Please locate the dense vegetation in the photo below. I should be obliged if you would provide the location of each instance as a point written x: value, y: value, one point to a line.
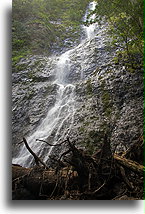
x: 42, y: 26
x: 125, y: 19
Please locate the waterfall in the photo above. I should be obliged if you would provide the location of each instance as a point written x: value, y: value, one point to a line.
x: 56, y: 118
x: 90, y: 30
x: 58, y: 122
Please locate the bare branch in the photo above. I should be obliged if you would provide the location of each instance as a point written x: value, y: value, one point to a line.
x: 51, y: 144
x: 37, y: 159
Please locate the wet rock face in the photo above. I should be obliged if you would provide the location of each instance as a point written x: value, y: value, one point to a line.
x: 34, y: 90
x: 108, y: 98
x: 33, y: 94
x: 111, y: 100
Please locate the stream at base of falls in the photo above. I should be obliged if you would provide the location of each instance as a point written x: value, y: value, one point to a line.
x: 69, y: 68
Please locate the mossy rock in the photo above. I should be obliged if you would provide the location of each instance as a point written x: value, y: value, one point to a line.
x: 106, y: 99
x: 81, y: 129
x: 19, y: 67
x: 89, y: 87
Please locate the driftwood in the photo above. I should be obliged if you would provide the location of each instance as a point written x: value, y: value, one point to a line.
x: 101, y: 176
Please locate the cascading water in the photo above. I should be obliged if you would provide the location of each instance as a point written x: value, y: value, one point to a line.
x: 90, y: 30
x: 57, y: 116
x: 59, y: 119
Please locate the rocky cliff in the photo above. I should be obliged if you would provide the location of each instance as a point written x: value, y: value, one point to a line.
x: 107, y: 97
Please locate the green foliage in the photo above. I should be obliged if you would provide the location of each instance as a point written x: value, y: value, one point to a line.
x: 17, y: 55
x: 43, y: 25
x: 125, y: 19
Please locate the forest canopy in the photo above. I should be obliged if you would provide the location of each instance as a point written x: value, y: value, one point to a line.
x: 46, y: 26
x: 40, y: 26
x: 125, y: 19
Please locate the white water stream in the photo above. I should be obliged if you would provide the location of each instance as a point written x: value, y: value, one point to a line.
x: 60, y: 117
x: 90, y: 30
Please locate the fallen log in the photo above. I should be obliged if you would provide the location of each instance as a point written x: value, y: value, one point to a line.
x: 132, y: 165
x: 89, y: 177
x: 42, y: 182
x: 19, y: 171
x: 46, y: 182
